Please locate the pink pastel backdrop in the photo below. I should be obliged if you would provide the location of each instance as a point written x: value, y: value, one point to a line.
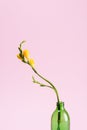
x: 56, y: 35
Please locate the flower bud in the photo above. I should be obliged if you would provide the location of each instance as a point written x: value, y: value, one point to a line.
x: 26, y: 54
x: 31, y: 62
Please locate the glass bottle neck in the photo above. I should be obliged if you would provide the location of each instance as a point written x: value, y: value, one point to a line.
x: 60, y: 105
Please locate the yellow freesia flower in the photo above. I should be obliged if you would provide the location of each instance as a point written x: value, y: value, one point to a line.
x: 26, y: 53
x: 31, y: 62
x: 24, y: 56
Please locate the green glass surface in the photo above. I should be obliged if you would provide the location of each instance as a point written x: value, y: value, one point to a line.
x: 60, y: 119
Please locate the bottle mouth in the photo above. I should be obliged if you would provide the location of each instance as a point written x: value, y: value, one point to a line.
x: 60, y: 105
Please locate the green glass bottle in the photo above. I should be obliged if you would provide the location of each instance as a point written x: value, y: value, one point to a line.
x: 60, y: 119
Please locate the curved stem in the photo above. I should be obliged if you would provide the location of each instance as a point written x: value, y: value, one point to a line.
x: 47, y: 82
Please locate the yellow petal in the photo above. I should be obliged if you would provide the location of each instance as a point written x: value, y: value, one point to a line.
x: 18, y: 56
x: 31, y: 62
x: 26, y: 54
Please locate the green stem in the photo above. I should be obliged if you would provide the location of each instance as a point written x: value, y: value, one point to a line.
x: 54, y: 88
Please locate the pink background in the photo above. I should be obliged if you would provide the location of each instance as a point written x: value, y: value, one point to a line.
x: 56, y: 35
